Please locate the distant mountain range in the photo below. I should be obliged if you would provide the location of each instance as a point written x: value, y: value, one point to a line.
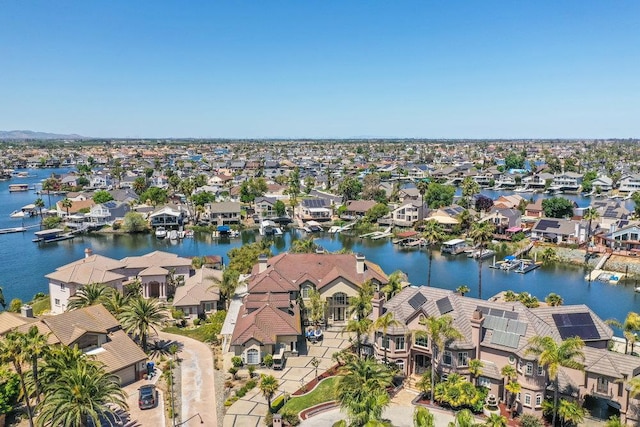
x: 29, y: 134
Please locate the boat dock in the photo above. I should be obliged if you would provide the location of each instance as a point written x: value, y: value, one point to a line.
x: 510, y: 263
x: 377, y: 234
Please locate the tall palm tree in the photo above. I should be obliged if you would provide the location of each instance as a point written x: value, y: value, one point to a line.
x: 469, y: 188
x: 629, y: 327
x: 91, y: 294
x: 116, y: 302
x: 552, y: 356
x: 39, y: 203
x: 394, y: 286
x: 512, y: 387
x: 590, y: 215
x: 475, y: 369
x: 423, y: 418
x: 66, y: 203
x: 142, y: 315
x: 422, y: 187
x: 571, y: 413
x: 37, y: 346
x: 433, y: 234
x: 481, y: 233
x: 359, y: 308
x: 496, y: 420
x: 230, y: 278
x: 359, y: 327
x: 13, y: 350
x: 361, y: 390
x: 82, y: 395
x: 385, y: 322
x: 268, y: 386
x: 439, y: 331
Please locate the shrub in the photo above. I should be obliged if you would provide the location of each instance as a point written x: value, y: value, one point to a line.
x: 268, y: 360
x: 196, y: 322
x: 277, y: 403
x: 237, y: 361
x: 528, y: 420
x: 242, y: 392
x: 250, y: 384
x: 15, y: 305
x: 233, y: 371
x: 251, y: 369
x: 230, y: 401
x: 268, y: 419
x: 290, y: 417
x: 177, y: 314
x: 39, y: 295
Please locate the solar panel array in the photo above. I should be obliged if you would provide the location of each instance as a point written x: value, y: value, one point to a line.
x: 506, y: 339
x: 314, y: 203
x: 110, y: 204
x: 576, y: 325
x: 543, y: 224
x: 497, y: 312
x: 444, y: 305
x: 417, y: 300
x: 505, y: 327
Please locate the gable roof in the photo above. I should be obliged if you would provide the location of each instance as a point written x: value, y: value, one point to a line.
x: 265, y: 324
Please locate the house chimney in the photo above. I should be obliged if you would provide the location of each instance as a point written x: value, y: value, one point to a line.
x: 477, y: 319
x: 88, y: 252
x: 377, y: 303
x: 359, y: 263
x: 26, y: 311
x: 262, y: 263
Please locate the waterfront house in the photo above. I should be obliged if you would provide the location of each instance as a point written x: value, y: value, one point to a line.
x: 169, y: 216
x: 224, y: 213
x: 77, y: 206
x: 316, y: 209
x: 105, y: 213
x: 408, y: 214
x: 357, y: 208
x: 604, y: 183
x: 534, y: 210
x: 567, y: 181
x: 265, y: 207
x: 557, y: 230
x: 154, y: 270
x: 497, y: 333
x: 503, y: 219
x: 630, y: 183
x: 508, y: 202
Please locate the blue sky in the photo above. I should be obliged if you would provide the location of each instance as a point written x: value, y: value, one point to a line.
x: 254, y: 69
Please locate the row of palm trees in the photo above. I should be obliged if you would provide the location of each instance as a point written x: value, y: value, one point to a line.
x: 61, y: 384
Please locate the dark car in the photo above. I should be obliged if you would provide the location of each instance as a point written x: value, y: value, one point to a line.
x: 147, y: 397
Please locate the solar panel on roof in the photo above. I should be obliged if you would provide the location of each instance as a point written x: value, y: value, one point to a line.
x: 576, y: 325
x: 444, y: 305
x: 543, y: 224
x: 417, y: 300
x: 516, y: 327
x: 496, y: 312
x: 484, y: 310
x: 506, y: 339
x: 511, y: 315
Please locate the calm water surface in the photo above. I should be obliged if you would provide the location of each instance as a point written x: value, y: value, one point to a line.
x: 23, y: 263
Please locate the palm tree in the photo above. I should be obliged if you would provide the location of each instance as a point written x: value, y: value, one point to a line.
x: 549, y: 256
x: 614, y: 421
x: 475, y: 369
x: 422, y: 187
x: 462, y: 289
x: 571, y: 413
x: 359, y: 308
x: 82, y: 395
x: 3, y: 303
x: 49, y: 185
x: 423, y: 418
x: 496, y: 420
x: 230, y: 278
x: 359, y: 328
x: 361, y: 390
x: 39, y: 203
x: 481, y: 233
x: 303, y: 246
x: 140, y: 316
x: 37, y: 346
x: 394, y: 286
x: 66, y: 203
x: 268, y: 386
x: 432, y: 234
x: 464, y: 418
x: 469, y: 188
x: 424, y: 383
x: 510, y: 296
x: 385, y: 322
x: 13, y: 350
x: 552, y: 356
x: 629, y: 328
x: 590, y: 214
x: 91, y: 294
x: 512, y: 386
x: 116, y: 302
x: 553, y: 299
x: 439, y: 331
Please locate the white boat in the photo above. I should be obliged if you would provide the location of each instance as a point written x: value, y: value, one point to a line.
x: 161, y: 232
x: 637, y: 289
x: 173, y: 235
x: 17, y: 214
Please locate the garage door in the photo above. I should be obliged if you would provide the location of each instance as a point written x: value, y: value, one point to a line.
x: 127, y: 375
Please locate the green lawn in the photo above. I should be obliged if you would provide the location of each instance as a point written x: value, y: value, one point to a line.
x: 322, y: 393
x: 41, y: 305
x: 206, y: 332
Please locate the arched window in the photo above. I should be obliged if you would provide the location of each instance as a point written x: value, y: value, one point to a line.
x: 305, y: 290
x: 253, y: 357
x: 340, y: 298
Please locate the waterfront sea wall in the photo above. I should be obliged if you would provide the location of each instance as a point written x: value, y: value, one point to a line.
x: 617, y: 263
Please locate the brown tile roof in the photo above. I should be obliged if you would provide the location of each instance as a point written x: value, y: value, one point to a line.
x: 71, y: 325
x: 285, y: 272
x: 199, y: 288
x: 156, y: 258
x: 266, y: 324
x: 76, y: 206
x: 93, y: 269
x: 119, y: 352
x: 9, y: 321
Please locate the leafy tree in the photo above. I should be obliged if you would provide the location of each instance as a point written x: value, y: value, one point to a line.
x: 91, y: 294
x: 361, y: 390
x: 557, y: 207
x: 142, y: 315
x: 134, y: 223
x: 9, y: 390
x: 439, y: 331
x: 102, y: 196
x: 433, y: 234
x: 15, y: 305
x: 140, y: 185
x: 349, y: 188
x: 280, y: 208
x: 439, y: 195
x: 552, y: 356
x: 13, y: 350
x: 317, y: 307
x: 385, y: 322
x: 303, y: 246
x: 513, y: 160
x: 202, y: 198
x: 423, y: 418
x: 268, y: 386
x: 157, y: 196
x: 252, y: 188
x: 242, y: 259
x: 309, y: 181
x: 481, y: 233
x: 549, y: 256
x: 483, y: 203
x: 376, y: 212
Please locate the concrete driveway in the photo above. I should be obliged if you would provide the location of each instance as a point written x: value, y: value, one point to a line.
x: 137, y: 417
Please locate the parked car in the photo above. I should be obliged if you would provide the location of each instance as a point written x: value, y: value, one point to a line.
x: 147, y: 396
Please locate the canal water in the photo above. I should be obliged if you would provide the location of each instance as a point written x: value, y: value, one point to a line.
x: 23, y: 264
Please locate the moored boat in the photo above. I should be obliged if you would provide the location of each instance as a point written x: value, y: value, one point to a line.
x: 161, y: 232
